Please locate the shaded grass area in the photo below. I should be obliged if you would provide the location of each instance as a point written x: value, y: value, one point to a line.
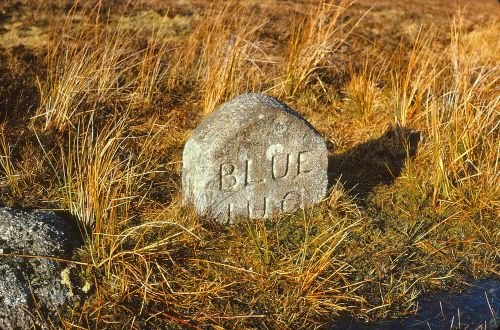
x: 474, y: 307
x: 95, y: 124
x: 374, y: 162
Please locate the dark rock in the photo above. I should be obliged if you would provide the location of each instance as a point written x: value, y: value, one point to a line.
x: 34, y: 286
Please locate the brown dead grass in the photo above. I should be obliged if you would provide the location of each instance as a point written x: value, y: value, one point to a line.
x: 411, y: 114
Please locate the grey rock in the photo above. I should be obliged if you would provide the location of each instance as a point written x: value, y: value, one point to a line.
x: 33, y: 286
x: 254, y: 157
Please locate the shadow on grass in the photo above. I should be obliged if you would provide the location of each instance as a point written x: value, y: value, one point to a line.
x: 474, y: 308
x: 374, y: 162
x: 19, y: 94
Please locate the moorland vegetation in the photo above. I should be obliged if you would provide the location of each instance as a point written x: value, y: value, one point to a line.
x: 97, y: 99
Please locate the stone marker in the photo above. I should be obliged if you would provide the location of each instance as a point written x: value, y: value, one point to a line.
x: 254, y: 157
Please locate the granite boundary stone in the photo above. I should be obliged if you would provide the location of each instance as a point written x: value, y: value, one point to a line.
x: 254, y: 157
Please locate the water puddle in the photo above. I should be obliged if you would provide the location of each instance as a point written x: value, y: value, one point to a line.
x: 475, y: 308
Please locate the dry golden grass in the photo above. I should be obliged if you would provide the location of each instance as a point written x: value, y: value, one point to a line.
x: 9, y: 172
x: 312, y: 38
x: 116, y: 105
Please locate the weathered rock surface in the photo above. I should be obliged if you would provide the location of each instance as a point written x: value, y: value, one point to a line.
x: 254, y: 157
x: 33, y: 233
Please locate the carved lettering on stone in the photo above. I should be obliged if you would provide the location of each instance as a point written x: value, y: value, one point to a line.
x: 254, y: 157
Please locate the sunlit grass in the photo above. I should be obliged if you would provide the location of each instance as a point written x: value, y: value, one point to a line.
x: 115, y: 111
